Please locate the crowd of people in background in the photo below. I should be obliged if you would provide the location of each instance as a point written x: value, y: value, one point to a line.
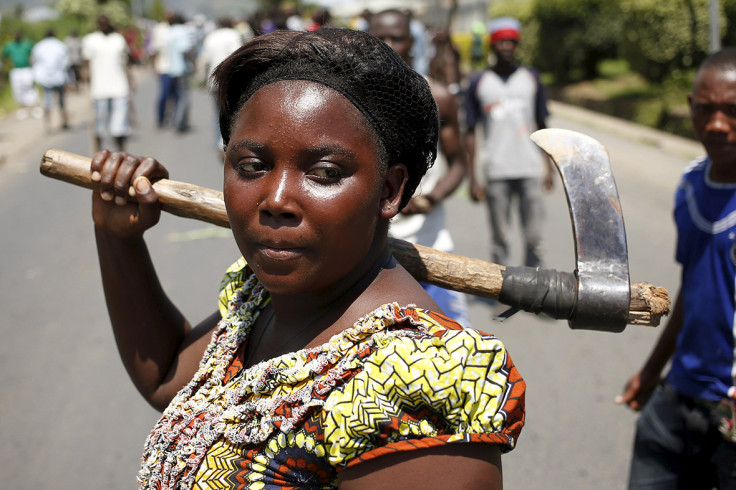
x: 182, y: 53
x: 176, y: 50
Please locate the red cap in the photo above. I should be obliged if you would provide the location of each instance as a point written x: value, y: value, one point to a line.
x: 505, y: 28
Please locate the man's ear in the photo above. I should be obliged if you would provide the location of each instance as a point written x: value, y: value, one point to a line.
x: 393, y: 188
x: 690, y: 102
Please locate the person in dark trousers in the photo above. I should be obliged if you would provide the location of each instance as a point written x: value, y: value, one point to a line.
x: 509, y: 102
x: 685, y: 436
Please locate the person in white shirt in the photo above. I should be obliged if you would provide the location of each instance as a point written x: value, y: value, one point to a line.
x: 508, y: 101
x: 159, y: 35
x: 180, y: 46
x: 50, y: 64
x: 218, y: 45
x: 107, y: 54
x: 74, y: 43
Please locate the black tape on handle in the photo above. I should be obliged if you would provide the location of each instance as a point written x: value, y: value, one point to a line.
x: 539, y: 291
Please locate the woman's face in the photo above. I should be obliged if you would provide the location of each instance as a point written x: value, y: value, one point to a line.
x: 303, y: 187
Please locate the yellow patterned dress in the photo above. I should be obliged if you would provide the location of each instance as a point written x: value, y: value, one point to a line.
x: 402, y: 378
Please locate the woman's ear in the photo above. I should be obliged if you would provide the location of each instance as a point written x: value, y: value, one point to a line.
x: 393, y: 188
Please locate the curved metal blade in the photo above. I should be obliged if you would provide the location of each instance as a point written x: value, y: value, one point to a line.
x: 601, y: 255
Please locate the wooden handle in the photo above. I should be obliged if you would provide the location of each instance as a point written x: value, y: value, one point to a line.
x: 473, y: 276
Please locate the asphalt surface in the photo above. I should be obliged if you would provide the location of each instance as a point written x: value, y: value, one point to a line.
x: 69, y: 416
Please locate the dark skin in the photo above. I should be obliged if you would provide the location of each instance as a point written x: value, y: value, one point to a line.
x: 713, y: 114
x: 393, y: 29
x: 505, y: 52
x: 300, y: 185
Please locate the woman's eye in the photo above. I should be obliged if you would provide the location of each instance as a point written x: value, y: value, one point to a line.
x: 327, y: 174
x: 251, y: 166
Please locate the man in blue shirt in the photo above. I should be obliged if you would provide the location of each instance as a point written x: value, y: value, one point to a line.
x: 685, y: 434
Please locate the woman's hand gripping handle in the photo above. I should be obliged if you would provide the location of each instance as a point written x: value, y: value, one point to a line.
x: 125, y: 203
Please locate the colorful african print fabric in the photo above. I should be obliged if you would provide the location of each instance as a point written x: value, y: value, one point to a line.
x: 401, y: 379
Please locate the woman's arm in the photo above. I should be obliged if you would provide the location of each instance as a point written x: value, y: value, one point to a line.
x: 462, y: 465
x: 159, y: 348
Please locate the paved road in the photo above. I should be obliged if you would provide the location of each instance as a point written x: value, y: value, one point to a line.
x: 69, y: 417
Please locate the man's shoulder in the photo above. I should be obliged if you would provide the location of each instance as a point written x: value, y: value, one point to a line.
x: 92, y: 36
x: 439, y: 90
x: 695, y: 169
x: 475, y: 78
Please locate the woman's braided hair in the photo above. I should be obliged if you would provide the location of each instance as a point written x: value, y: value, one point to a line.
x: 395, y: 100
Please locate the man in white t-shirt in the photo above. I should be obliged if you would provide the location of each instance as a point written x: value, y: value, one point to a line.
x: 217, y: 46
x: 166, y: 99
x: 509, y: 102
x: 50, y: 65
x: 107, y: 54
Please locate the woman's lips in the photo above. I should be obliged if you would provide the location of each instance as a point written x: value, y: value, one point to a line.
x: 280, y: 252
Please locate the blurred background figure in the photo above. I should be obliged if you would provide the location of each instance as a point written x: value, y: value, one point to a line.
x: 361, y: 22
x: 180, y: 49
x: 510, y: 103
x: 320, y: 18
x: 159, y: 52
x: 50, y: 64
x: 217, y: 46
x: 106, y: 53
x: 477, y: 51
x: 420, y: 50
x: 294, y: 21
x: 244, y: 28
x: 74, y: 45
x: 18, y: 51
x: 422, y: 221
x: 445, y: 64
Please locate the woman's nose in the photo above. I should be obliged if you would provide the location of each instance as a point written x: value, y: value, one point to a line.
x: 279, y: 193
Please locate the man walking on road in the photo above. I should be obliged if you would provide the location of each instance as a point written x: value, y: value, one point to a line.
x: 686, y: 434
x: 218, y: 45
x: 21, y: 75
x: 50, y: 62
x: 180, y: 48
x: 510, y: 102
x: 107, y: 54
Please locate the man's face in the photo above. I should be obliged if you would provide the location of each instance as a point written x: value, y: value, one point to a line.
x: 393, y: 29
x: 505, y: 49
x: 713, y: 112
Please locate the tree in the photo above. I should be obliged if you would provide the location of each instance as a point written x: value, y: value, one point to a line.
x: 662, y: 37
x: 575, y: 35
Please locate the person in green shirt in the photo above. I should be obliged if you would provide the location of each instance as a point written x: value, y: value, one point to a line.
x: 18, y: 51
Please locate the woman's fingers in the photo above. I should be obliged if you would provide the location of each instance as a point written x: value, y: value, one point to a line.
x: 98, y: 159
x: 148, y: 209
x: 117, y: 171
x: 108, y: 175
x: 150, y: 168
x: 121, y: 177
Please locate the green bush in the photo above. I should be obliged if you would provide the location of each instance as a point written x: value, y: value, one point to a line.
x: 662, y: 37
x: 86, y: 11
x: 729, y: 12
x: 575, y: 35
